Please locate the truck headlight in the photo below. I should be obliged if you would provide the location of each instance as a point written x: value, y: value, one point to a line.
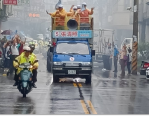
x: 58, y: 63
x: 86, y: 63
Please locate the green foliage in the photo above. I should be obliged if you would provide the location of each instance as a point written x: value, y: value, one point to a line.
x: 143, y: 50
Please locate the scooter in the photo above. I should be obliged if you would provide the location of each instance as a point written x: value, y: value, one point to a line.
x: 25, y: 79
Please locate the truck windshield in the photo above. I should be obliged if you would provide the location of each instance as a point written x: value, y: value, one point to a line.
x: 72, y: 48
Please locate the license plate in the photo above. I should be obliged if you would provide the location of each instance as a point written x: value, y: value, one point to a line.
x: 72, y: 72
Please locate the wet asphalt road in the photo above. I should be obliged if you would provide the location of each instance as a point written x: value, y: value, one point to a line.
x: 108, y: 94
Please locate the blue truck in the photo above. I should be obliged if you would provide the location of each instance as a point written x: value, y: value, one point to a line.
x: 72, y: 55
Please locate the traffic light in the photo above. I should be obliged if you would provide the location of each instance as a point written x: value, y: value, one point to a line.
x: 33, y: 15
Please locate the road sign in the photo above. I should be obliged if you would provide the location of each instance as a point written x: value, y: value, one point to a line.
x: 72, y: 34
x: 23, y: 2
x: 10, y: 2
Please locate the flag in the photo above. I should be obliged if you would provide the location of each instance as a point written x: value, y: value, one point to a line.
x: 8, y: 37
x: 13, y: 34
x: 83, y: 8
x: 59, y: 2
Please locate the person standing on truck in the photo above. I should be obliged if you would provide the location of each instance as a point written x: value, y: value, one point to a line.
x: 116, y: 52
x: 78, y: 8
x: 59, y: 16
x: 74, y: 14
x: 84, y: 17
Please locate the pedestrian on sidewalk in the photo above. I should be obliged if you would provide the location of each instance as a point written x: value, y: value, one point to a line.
x: 116, y: 53
x: 107, y: 57
x: 7, y: 54
x: 14, y: 53
x: 123, y: 60
x: 129, y: 54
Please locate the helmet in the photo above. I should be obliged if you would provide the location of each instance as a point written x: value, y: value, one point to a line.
x: 78, y: 6
x: 84, y: 3
x: 60, y: 6
x: 32, y: 46
x: 26, y: 48
x: 75, y: 8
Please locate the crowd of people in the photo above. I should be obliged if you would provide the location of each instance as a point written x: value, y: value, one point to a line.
x: 124, y: 57
x: 15, y: 52
x: 12, y: 49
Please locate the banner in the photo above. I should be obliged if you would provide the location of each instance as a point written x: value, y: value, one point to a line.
x: 10, y: 2
x: 72, y: 34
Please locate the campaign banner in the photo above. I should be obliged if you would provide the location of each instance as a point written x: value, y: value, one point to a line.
x: 72, y: 34
x: 10, y: 2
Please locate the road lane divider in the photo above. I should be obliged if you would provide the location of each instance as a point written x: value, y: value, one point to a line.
x: 91, y: 107
x: 4, y: 75
x: 84, y: 107
x: 75, y: 85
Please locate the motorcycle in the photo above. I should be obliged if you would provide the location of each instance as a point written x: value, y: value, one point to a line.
x: 25, y: 79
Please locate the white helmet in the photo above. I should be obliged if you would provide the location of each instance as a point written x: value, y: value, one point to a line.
x: 78, y: 6
x: 75, y: 8
x: 84, y: 3
x: 60, y: 6
x: 26, y: 48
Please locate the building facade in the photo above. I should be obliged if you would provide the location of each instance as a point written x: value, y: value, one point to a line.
x: 144, y: 20
x: 117, y: 17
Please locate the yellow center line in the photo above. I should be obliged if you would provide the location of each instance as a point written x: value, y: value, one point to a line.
x: 80, y: 85
x: 91, y: 107
x: 4, y: 74
x: 84, y: 107
x: 75, y: 85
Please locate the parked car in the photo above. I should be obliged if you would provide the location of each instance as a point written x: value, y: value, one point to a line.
x: 144, y: 67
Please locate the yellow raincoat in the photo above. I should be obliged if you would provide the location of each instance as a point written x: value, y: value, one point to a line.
x: 60, y: 17
x: 22, y: 59
x: 84, y: 16
x: 74, y: 15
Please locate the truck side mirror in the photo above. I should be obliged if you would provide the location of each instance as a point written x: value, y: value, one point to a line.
x: 93, y: 52
x: 51, y: 49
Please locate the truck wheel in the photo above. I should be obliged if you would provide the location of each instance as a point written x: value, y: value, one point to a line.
x: 88, y: 80
x: 55, y: 79
x: 48, y: 67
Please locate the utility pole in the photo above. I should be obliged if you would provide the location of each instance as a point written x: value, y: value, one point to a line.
x: 135, y: 38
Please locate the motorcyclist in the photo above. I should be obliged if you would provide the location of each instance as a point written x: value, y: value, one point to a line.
x: 25, y: 57
x: 32, y: 47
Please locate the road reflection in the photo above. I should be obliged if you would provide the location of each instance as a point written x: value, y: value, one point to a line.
x: 24, y: 106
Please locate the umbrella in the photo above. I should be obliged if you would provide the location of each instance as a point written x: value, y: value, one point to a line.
x: 83, y: 8
x: 6, y: 32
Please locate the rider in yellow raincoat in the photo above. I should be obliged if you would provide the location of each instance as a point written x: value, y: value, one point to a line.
x: 25, y: 57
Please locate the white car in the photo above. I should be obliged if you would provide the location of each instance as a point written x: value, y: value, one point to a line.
x: 147, y: 73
